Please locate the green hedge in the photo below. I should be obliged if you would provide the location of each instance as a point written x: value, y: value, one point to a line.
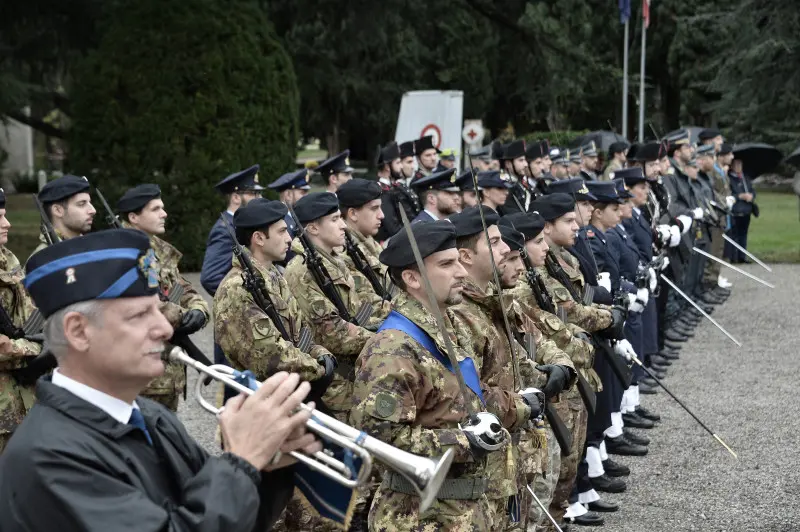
x: 556, y: 138
x: 182, y: 94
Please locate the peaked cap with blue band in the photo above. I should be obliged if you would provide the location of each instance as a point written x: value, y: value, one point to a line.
x: 293, y: 180
x: 574, y: 186
x: 604, y: 191
x: 240, y: 181
x: 104, y: 265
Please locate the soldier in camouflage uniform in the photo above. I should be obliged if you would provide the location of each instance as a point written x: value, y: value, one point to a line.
x: 573, y: 341
x: 319, y: 214
x: 479, y: 323
x: 405, y: 395
x: 248, y: 336
x: 68, y: 206
x: 15, y: 399
x: 360, y: 203
x: 142, y: 209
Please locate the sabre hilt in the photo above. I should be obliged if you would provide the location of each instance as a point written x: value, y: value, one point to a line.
x: 484, y: 432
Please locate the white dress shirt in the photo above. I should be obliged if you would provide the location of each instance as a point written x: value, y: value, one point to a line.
x: 116, y: 408
x: 431, y: 214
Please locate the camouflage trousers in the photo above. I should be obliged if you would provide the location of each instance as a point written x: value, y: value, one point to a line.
x: 167, y: 388
x: 544, y: 486
x: 575, y: 417
x: 713, y: 268
x: 12, y: 407
x: 397, y: 512
x: 300, y: 517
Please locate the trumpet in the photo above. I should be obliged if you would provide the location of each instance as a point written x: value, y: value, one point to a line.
x: 425, y: 474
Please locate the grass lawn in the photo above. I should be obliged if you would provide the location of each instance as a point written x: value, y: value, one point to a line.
x: 774, y: 236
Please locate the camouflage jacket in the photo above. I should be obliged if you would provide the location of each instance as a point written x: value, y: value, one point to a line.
x: 563, y: 335
x: 43, y: 243
x: 19, y: 306
x: 364, y: 288
x: 247, y: 335
x: 589, y: 317
x: 344, y: 339
x: 404, y: 396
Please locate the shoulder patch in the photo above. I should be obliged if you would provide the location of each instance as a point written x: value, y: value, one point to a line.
x: 385, y: 405
x: 561, y: 294
x: 554, y: 323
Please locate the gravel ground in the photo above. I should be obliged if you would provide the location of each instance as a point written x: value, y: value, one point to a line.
x: 688, y: 481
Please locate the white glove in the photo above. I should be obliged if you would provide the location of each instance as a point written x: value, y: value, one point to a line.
x: 643, y: 295
x: 652, y: 279
x: 730, y: 200
x: 687, y: 223
x: 663, y: 233
x: 604, y: 280
x: 634, y: 305
x: 674, y: 236
x: 665, y: 264
x: 697, y: 213
x: 624, y: 349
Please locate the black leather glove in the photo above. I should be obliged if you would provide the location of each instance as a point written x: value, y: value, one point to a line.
x: 615, y: 331
x: 191, y: 322
x: 535, y: 399
x: 583, y: 335
x: 557, y: 379
x: 320, y: 386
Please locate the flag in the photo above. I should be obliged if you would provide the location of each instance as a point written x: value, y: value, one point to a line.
x: 646, y: 13
x: 624, y: 11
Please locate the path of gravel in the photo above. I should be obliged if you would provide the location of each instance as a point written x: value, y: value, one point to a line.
x: 746, y: 395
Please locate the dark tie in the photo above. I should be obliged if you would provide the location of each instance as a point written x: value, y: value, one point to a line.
x: 137, y: 420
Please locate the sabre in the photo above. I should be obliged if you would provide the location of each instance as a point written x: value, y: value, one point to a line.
x: 740, y: 248
x: 550, y: 517
x: 652, y: 376
x: 734, y: 268
x: 687, y: 298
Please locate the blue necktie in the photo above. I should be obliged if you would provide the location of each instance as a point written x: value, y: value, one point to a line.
x: 137, y: 420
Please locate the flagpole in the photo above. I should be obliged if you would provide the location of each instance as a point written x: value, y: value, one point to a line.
x: 641, y: 81
x: 625, y: 83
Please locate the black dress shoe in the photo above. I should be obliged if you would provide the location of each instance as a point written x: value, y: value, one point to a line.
x: 647, y: 414
x: 686, y: 331
x: 661, y: 361
x: 647, y: 381
x: 615, y: 469
x: 669, y: 355
x: 660, y: 375
x: 647, y: 390
x: 635, y: 438
x: 655, y: 366
x: 671, y: 344
x: 608, y: 484
x: 674, y: 336
x: 623, y: 447
x: 633, y: 421
x: 587, y: 519
x: 603, y: 506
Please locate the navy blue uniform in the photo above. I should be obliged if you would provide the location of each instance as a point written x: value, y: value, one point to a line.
x: 422, y: 217
x: 639, y: 231
x: 218, y: 257
x: 741, y: 211
x: 583, y: 252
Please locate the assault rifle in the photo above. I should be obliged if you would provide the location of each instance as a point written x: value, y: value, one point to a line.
x: 362, y: 265
x: 323, y: 279
x: 49, y: 232
x: 112, y: 220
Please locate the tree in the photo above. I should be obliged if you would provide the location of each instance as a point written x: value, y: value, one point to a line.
x: 181, y: 94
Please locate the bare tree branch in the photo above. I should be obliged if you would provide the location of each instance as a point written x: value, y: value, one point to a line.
x: 35, y: 123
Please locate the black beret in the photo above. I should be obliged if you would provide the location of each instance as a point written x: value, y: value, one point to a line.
x: 513, y: 150
x: 431, y: 237
x: 604, y: 191
x: 103, y: 265
x: 513, y: 238
x: 407, y: 149
x: 468, y: 221
x: 388, y: 153
x: 336, y: 164
x: 2, y: 199
x: 443, y: 180
x: 240, y: 181
x: 63, y: 188
x: 631, y: 175
x: 530, y: 224
x: 425, y: 143
x: 725, y: 149
x: 358, y: 192
x: 618, y: 147
x: 136, y: 198
x: 315, y: 205
x: 574, y: 186
x: 259, y: 213
x: 553, y: 205
x: 709, y: 133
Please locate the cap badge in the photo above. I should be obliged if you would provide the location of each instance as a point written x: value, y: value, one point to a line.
x: 148, y: 265
x: 70, y: 272
x: 255, y: 178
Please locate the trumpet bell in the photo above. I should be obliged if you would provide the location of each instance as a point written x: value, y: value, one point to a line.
x: 430, y: 475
